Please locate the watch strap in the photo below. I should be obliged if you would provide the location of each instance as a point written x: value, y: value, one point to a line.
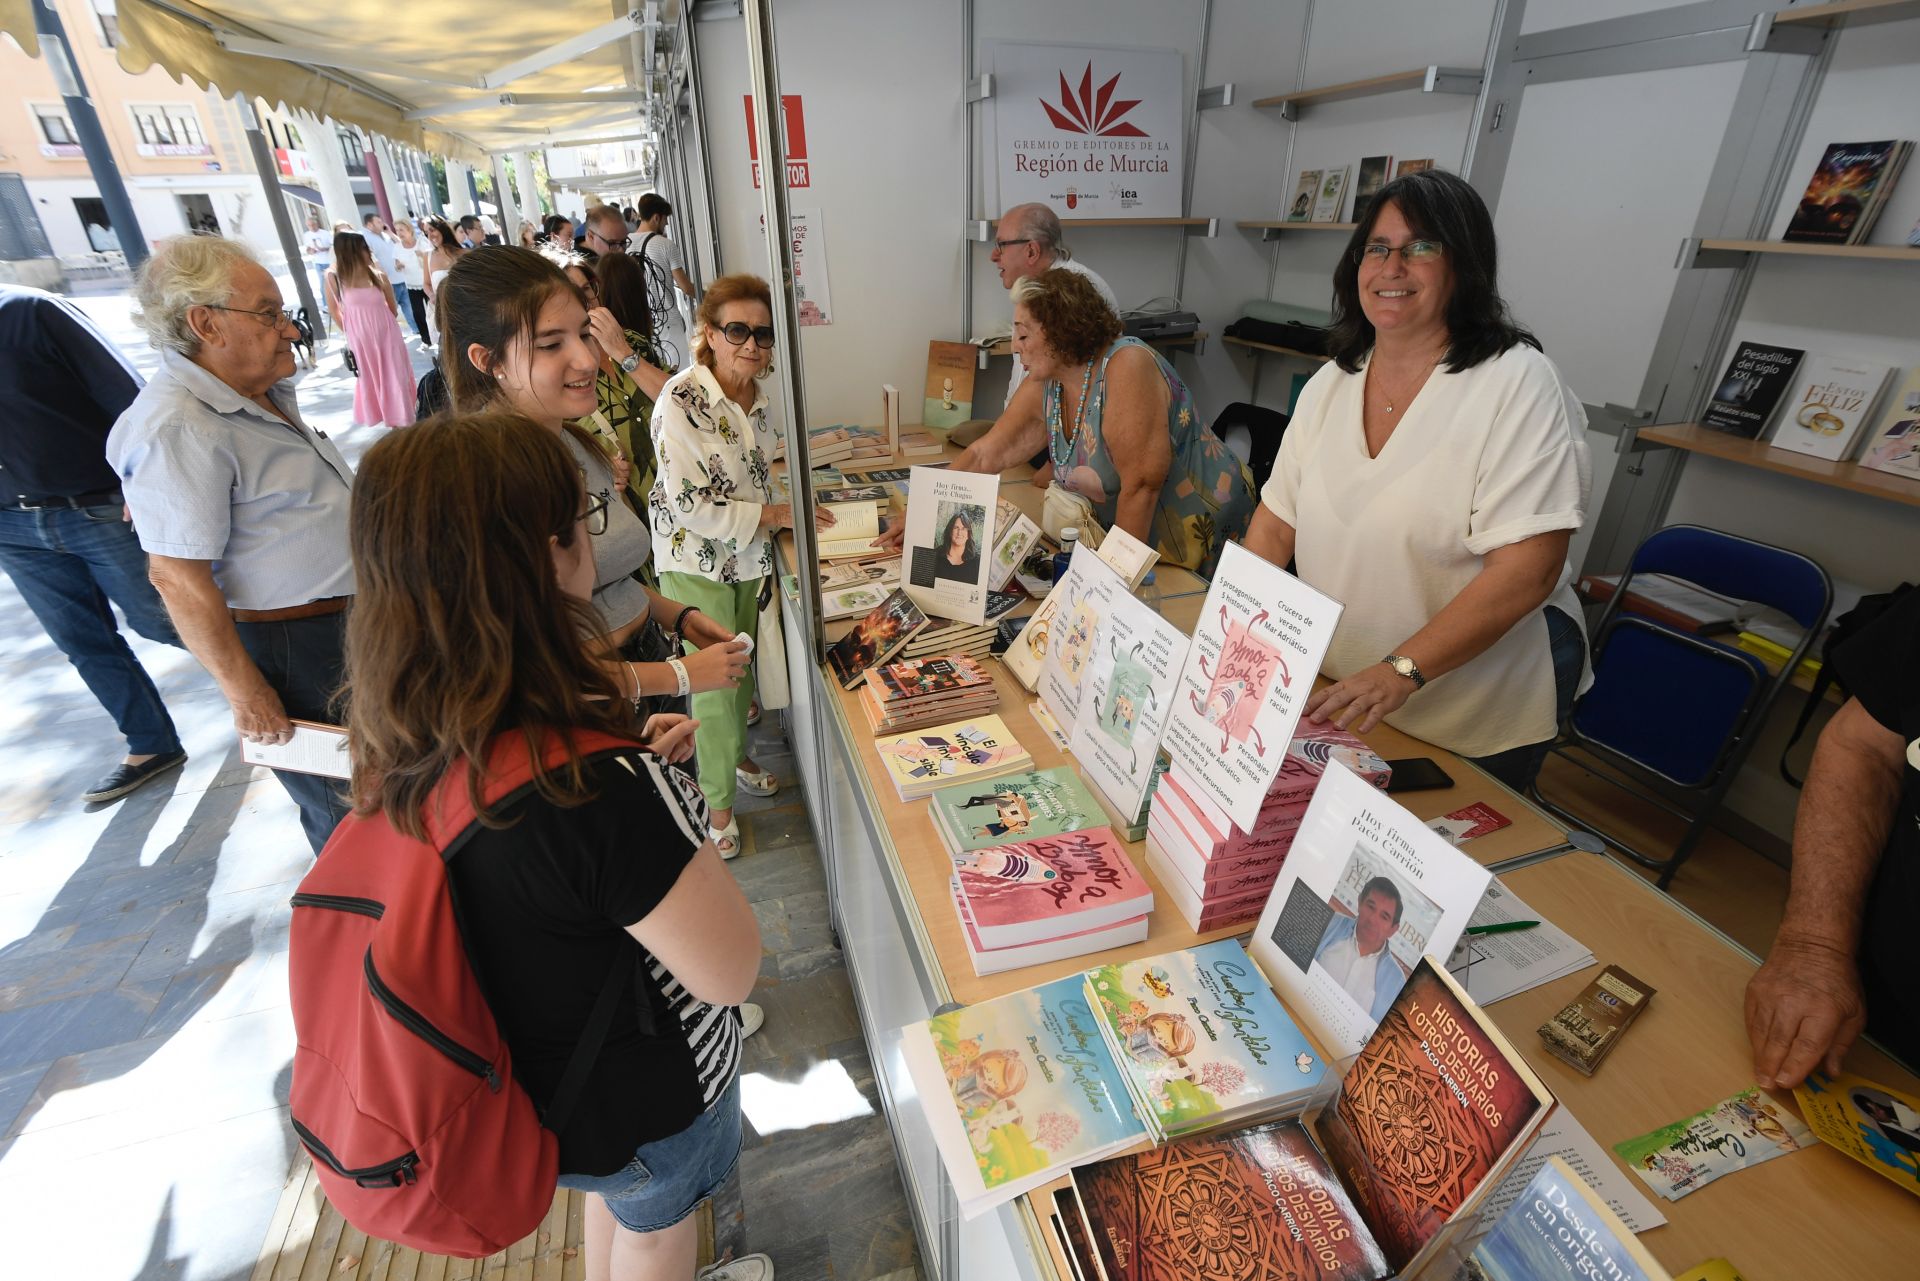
x: 1406, y: 667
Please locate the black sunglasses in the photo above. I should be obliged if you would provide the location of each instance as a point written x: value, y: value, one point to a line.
x: 737, y: 333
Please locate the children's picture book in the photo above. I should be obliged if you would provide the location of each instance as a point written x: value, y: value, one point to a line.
x: 1301, y: 210
x: 1017, y: 1090
x: 1829, y: 403
x: 1256, y: 648
x: 1756, y: 378
x: 1558, y: 1227
x: 1080, y: 600
x: 1366, y: 891
x: 1259, y: 1204
x: 1844, y: 193
x: 873, y: 573
x: 1373, y: 174
x: 1120, y: 552
x: 1125, y: 700
x: 1013, y: 807
x: 1428, y: 1119
x: 1018, y: 535
x: 1201, y: 1039
x: 1874, y: 1125
x: 1689, y: 1154
x: 1332, y: 197
x: 1413, y: 166
x: 950, y: 529
x: 1048, y: 886
x: 875, y: 638
x: 950, y: 370
x: 963, y: 751
x: 1895, y: 444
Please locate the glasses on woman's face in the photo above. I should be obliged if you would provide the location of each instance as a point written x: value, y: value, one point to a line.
x: 1412, y: 253
x: 737, y: 333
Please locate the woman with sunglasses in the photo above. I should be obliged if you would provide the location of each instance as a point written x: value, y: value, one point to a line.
x: 1431, y: 478
x: 714, y: 516
x: 517, y: 338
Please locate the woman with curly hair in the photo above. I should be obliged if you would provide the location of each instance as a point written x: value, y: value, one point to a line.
x: 1120, y: 427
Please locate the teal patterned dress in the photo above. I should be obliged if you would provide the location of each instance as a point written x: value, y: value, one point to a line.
x: 1208, y: 496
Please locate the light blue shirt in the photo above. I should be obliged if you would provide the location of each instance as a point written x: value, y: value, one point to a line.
x: 383, y: 250
x: 210, y: 475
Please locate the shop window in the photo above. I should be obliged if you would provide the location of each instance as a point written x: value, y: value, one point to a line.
x: 107, y: 22
x: 55, y: 129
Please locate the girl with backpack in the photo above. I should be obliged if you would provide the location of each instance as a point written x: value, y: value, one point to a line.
x: 591, y: 905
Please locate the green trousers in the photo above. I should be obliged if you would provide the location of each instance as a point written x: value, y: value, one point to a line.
x: 721, y: 740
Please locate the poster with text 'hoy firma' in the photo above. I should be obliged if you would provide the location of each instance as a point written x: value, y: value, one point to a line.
x: 1256, y: 649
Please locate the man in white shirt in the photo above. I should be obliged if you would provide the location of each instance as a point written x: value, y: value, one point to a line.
x: 1353, y: 951
x: 386, y: 251
x: 665, y: 256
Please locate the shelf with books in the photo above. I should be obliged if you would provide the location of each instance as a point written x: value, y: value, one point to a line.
x: 1696, y: 439
x: 1851, y: 13
x: 1708, y: 253
x: 1431, y: 79
x: 1272, y: 230
x: 1261, y: 348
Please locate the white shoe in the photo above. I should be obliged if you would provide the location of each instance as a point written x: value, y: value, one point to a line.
x: 751, y: 1017
x: 748, y: 1267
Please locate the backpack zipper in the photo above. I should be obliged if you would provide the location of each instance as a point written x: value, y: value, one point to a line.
x: 342, y: 903
x: 414, y: 1022
x: 389, y: 1174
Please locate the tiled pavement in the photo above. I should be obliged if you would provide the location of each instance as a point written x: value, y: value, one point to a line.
x: 144, y: 1033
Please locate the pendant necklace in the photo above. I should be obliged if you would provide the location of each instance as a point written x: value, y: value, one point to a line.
x: 1387, y: 395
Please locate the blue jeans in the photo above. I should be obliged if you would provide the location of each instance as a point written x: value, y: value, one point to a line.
x: 406, y: 306
x: 1517, y: 767
x: 669, y: 1178
x: 68, y: 563
x: 304, y: 660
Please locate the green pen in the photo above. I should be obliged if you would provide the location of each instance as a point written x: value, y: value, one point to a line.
x: 1502, y: 927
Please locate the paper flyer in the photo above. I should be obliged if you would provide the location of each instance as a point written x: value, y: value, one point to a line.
x: 950, y: 522
x: 1686, y: 1156
x: 1079, y: 601
x: 1127, y: 698
x: 1256, y: 649
x: 1869, y: 1122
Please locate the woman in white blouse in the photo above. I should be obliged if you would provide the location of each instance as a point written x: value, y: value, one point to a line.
x: 713, y: 514
x: 1430, y: 479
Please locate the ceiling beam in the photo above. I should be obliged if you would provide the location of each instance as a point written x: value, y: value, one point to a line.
x: 566, y: 51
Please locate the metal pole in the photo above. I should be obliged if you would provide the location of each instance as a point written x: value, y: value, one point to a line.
x: 696, y: 109
x: 970, y: 111
x: 503, y: 199
x: 786, y: 309
x: 277, y: 205
x: 1193, y: 145
x: 93, y: 139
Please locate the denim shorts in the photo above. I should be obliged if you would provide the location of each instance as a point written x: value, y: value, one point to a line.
x: 668, y: 1178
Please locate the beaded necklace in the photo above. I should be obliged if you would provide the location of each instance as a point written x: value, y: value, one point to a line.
x: 1055, y: 443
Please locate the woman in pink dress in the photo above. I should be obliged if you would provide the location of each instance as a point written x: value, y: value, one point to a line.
x: 360, y: 295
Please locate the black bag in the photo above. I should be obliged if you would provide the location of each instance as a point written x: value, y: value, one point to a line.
x: 1844, y: 629
x: 1311, y: 339
x: 1265, y: 428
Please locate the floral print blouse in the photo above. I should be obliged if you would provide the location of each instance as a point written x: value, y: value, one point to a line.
x: 712, y: 482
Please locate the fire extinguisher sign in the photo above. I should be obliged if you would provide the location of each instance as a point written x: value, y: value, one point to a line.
x: 795, y: 125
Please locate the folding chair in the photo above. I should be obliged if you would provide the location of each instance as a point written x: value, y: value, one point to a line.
x: 1677, y: 706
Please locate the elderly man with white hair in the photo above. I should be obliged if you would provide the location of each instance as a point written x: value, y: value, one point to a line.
x: 241, y: 507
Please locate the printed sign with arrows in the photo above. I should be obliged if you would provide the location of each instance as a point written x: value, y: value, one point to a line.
x: 1137, y: 657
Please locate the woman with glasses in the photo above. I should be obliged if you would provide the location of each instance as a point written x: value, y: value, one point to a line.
x: 1431, y: 477
x: 714, y: 515
x: 361, y: 295
x: 517, y: 338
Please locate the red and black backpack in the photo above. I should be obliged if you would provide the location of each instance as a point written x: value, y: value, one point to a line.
x: 403, y: 1088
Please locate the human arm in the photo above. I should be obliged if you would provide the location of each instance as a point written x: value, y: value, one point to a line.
x: 199, y: 612
x: 1016, y: 435
x: 386, y: 293
x: 621, y: 344
x: 1269, y: 537
x: 1804, y: 1006
x: 681, y: 281
x: 1133, y: 427
x: 669, y: 736
x: 333, y: 292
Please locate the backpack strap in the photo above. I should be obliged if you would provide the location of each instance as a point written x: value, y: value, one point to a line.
x: 567, y: 1094
x: 449, y: 811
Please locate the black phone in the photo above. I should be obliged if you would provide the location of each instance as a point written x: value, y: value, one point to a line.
x: 1416, y: 774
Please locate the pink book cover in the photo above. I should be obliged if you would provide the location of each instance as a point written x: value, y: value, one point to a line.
x: 995, y: 960
x: 1307, y: 756
x: 1206, y: 876
x: 1203, y: 912
x: 1215, y: 836
x: 1050, y: 886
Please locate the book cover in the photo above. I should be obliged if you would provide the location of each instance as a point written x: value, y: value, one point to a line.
x: 1118, y: 552
x: 875, y: 638
x: 975, y: 748
x: 950, y: 529
x: 1840, y: 192
x: 1756, y: 378
x: 1080, y: 600
x: 1895, y: 444
x: 1256, y: 647
x: 1373, y: 175
x: 890, y: 414
x: 924, y: 677
x: 997, y: 960
x: 950, y: 370
x: 1018, y: 535
x: 879, y: 573
x: 1017, y: 1089
x: 919, y: 442
x: 850, y: 602
x: 1301, y: 210
x: 1830, y: 401
x: 1258, y: 1204
x: 1126, y: 699
x: 1559, y: 1228
x: 1874, y: 1125
x: 1049, y: 886
x: 1686, y: 1155
x: 1201, y: 1037
x: 1429, y: 1116
x: 1078, y: 1249
x: 1014, y: 807
x: 1332, y: 197
x: 1413, y: 166
x: 1366, y: 890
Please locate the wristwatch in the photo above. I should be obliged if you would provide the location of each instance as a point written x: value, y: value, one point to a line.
x: 1407, y: 668
x: 631, y: 363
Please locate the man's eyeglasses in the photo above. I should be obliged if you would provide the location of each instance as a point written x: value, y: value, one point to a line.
x: 738, y: 332
x: 617, y: 246
x: 1414, y: 251
x: 272, y: 317
x: 1008, y: 244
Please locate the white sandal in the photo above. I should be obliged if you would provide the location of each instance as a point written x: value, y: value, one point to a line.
x: 762, y: 783
x: 726, y: 839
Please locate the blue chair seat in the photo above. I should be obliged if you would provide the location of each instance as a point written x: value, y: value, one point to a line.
x: 1663, y: 698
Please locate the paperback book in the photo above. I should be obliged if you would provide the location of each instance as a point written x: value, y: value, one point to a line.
x: 1018, y: 1090
x: 970, y: 750
x: 927, y: 691
x: 996, y: 960
x: 1874, y: 1125
x: 1017, y: 536
x: 1413, y: 166
x: 1013, y: 807
x: 950, y: 527
x: 1117, y: 551
x: 850, y: 602
x: 1828, y: 405
x: 855, y: 526
x: 1332, y: 197
x: 1373, y: 175
x: 1080, y: 600
x: 1756, y: 378
x: 949, y: 395
x: 1126, y: 699
x: 1559, y: 1227
x: 1894, y: 446
x: 873, y: 573
x: 875, y: 638
x: 1200, y: 1038
x: 1048, y: 886
x: 1301, y: 210
x: 1846, y: 192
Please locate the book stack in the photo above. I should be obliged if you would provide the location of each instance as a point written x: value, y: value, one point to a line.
x: 926, y: 691
x: 828, y: 446
x: 1014, y: 807
x: 1201, y: 1040
x: 961, y: 751
x: 1213, y: 871
x: 867, y: 446
x: 949, y: 636
x: 1048, y: 898
x: 878, y: 638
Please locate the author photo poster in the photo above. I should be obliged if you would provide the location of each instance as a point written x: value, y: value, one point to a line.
x: 1376, y: 929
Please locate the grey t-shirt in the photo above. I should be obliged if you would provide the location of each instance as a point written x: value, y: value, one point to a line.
x: 624, y: 548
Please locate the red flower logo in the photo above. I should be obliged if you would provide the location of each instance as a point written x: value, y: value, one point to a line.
x: 1091, y: 112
